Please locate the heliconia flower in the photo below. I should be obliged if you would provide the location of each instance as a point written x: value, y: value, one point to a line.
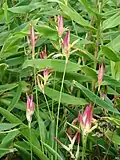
x: 100, y: 75
x: 60, y: 25
x: 85, y: 120
x: 46, y: 72
x: 43, y: 54
x: 66, y: 43
x: 32, y: 39
x: 30, y: 108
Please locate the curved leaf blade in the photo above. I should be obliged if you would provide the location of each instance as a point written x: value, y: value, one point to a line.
x: 55, y: 64
x: 66, y: 98
x: 94, y: 98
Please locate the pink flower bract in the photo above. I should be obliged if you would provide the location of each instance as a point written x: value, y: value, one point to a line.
x: 86, y: 119
x: 60, y: 25
x: 66, y: 42
x: 30, y: 108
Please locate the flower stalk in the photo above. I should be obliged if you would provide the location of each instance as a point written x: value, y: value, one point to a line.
x: 29, y: 112
x: 65, y: 46
x: 46, y: 73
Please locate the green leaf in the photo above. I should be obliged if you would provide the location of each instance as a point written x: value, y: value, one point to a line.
x: 9, y: 116
x: 89, y: 8
x: 6, y: 126
x: 11, y: 51
x: 10, y: 137
x: 15, y: 98
x: 94, y: 98
x: 84, y: 53
x: 89, y: 71
x: 113, y: 137
x: 69, y: 11
x: 23, y: 152
x: 112, y: 91
x: 24, y: 129
x: 15, y: 61
x: 111, y: 55
x: 111, y: 22
x: 4, y: 151
x: 3, y: 67
x: 20, y: 105
x: 55, y: 64
x: 115, y: 44
x: 26, y: 8
x: 52, y: 128
x: 47, y: 32
x: 66, y: 98
x: 39, y: 153
x: 52, y: 151
x: 7, y: 87
x: 111, y: 81
x: 76, y: 76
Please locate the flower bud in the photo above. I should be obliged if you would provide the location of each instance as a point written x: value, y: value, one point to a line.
x: 46, y: 75
x: 43, y: 54
x: 66, y: 43
x: 100, y: 75
x: 30, y: 108
x: 60, y: 25
x: 86, y: 119
x: 32, y: 39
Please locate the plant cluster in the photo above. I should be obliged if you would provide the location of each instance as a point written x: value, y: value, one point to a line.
x: 60, y: 79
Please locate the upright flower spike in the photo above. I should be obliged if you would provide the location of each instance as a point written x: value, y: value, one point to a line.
x: 60, y: 26
x: 30, y: 108
x: 45, y: 73
x: 100, y: 75
x: 86, y: 119
x: 32, y: 39
x: 66, y: 44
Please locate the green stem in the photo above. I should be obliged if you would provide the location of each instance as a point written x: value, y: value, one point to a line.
x: 48, y: 106
x: 37, y: 106
x: 60, y: 96
x: 84, y: 139
x: 29, y: 125
x: 52, y: 99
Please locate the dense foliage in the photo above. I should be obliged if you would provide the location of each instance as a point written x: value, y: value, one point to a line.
x: 60, y: 99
